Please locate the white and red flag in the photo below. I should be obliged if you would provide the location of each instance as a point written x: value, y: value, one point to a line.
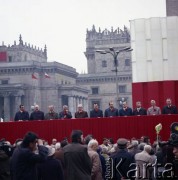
x: 47, y: 75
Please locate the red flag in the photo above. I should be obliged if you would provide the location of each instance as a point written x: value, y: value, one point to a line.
x: 3, y: 56
x: 34, y: 77
x: 46, y: 75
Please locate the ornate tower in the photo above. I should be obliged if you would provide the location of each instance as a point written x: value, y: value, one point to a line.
x: 103, y: 40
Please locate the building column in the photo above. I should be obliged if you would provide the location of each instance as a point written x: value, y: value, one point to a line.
x: 18, y: 102
x: 78, y: 101
x: 71, y: 105
x: 83, y: 103
x: 6, y: 108
x: 75, y: 104
x: 86, y: 104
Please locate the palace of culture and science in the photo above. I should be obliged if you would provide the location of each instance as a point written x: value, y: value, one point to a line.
x: 23, y: 70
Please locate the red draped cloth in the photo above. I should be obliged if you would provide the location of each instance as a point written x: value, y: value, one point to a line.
x: 116, y: 127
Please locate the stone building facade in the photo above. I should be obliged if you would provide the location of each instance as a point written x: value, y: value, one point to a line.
x: 101, y: 78
x: 17, y: 65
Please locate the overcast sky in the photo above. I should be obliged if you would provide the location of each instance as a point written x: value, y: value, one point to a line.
x: 62, y: 24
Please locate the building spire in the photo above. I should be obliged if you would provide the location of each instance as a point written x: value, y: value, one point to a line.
x: 20, y: 40
x: 45, y: 51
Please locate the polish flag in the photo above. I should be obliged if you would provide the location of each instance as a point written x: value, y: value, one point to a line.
x: 46, y: 75
x: 34, y: 77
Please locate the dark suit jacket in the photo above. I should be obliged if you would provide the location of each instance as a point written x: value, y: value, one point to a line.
x: 82, y: 114
x: 142, y: 111
x: 127, y: 112
x: 63, y: 115
x: 109, y: 113
x: 125, y: 159
x: 23, y: 162
x: 51, y: 169
x: 37, y: 115
x: 94, y: 113
x: 77, y: 162
x: 169, y: 110
x: 4, y: 166
x: 21, y: 116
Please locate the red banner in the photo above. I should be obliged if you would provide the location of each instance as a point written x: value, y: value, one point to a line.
x: 3, y: 56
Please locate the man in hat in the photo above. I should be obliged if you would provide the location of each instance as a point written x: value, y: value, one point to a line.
x: 77, y: 161
x: 122, y: 161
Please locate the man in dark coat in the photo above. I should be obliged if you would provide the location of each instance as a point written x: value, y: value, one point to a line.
x: 139, y: 110
x: 111, y: 111
x: 21, y: 115
x: 37, y: 114
x: 76, y: 158
x: 51, y: 114
x: 169, y: 108
x: 122, y: 161
x: 4, y: 166
x: 96, y: 112
x: 23, y: 161
x: 81, y: 113
x: 65, y: 114
x: 51, y: 169
x: 125, y: 111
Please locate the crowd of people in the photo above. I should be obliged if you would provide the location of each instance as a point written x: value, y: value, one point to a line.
x: 96, y: 112
x: 32, y: 158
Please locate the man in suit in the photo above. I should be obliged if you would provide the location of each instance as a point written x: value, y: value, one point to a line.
x: 169, y: 108
x: 37, y: 114
x: 77, y: 161
x: 153, y: 110
x: 51, y: 114
x: 111, y: 111
x: 96, y: 112
x: 125, y: 111
x: 65, y: 114
x: 81, y: 113
x: 138, y: 111
x: 21, y: 115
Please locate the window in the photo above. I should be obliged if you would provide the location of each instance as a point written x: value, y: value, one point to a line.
x: 4, y: 82
x: 64, y: 99
x: 94, y: 90
x: 127, y: 62
x: 10, y: 58
x: 122, y: 89
x: 104, y: 63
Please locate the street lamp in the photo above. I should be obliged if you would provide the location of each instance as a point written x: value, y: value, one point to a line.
x: 115, y: 54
